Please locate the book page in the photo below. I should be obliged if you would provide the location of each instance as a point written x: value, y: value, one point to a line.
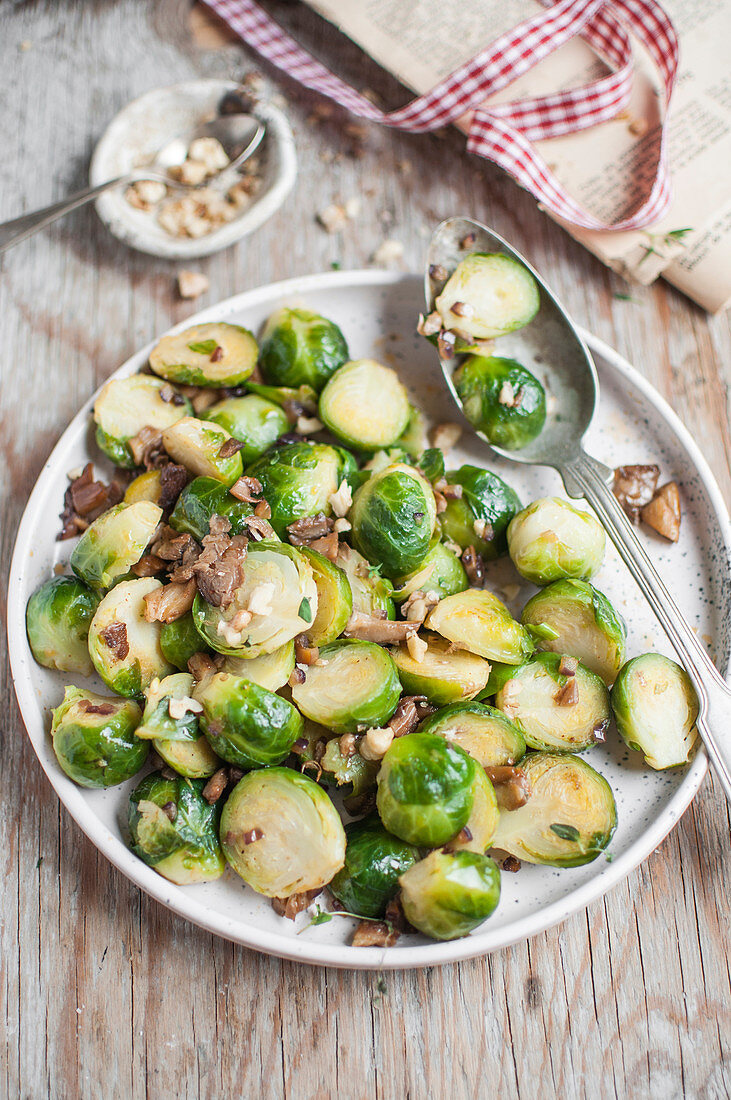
x: 606, y: 167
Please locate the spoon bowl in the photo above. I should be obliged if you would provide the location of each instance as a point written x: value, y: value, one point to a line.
x: 552, y: 349
x: 239, y: 134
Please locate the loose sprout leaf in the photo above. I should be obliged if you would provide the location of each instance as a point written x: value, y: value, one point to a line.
x: 204, y: 347
x: 566, y: 832
x: 305, y: 611
x: 431, y: 464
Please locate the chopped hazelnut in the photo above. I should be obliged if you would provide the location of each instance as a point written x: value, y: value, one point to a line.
x: 191, y: 284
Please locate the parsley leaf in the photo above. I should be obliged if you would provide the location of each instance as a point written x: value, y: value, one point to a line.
x: 305, y: 610
x: 566, y: 832
x: 205, y: 347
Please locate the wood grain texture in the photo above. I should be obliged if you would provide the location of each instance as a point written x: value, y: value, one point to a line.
x: 105, y: 993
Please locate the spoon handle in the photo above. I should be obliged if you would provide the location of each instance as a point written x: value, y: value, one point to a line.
x: 587, y: 477
x: 15, y: 231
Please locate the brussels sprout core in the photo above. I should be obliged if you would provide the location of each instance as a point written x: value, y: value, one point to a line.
x: 656, y: 707
x: 551, y: 539
x: 94, y: 738
x: 448, y: 894
x: 57, y: 620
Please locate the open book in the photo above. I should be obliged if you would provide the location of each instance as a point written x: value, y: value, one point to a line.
x: 421, y: 41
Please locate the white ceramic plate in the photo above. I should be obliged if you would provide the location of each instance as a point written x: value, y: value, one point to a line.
x: 377, y: 312
x: 145, y: 125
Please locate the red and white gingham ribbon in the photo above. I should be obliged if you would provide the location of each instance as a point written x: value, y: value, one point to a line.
x: 504, y: 132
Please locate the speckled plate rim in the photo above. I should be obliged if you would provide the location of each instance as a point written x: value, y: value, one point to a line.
x: 184, y: 903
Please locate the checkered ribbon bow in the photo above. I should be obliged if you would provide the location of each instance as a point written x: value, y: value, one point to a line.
x: 504, y: 133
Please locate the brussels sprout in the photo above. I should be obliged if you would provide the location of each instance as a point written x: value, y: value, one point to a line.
x: 246, y: 724
x: 286, y: 397
x: 441, y: 571
x: 448, y: 894
x: 334, y: 598
x: 554, y: 707
x: 365, y: 404
x: 252, y: 420
x: 114, y: 542
x: 413, y: 439
x: 124, y: 647
x: 215, y: 354
x: 656, y: 707
x: 281, y: 833
x: 145, y: 486
x: 371, y: 592
x: 299, y: 347
x: 568, y: 819
x: 157, y: 720
x: 393, y: 517
x: 57, y: 620
x: 278, y: 581
x: 551, y: 539
x: 202, y: 448
x: 127, y: 405
x: 477, y: 833
x: 496, y: 293
x: 484, y: 732
x: 481, y: 516
x: 193, y: 759
x: 179, y: 641
x: 94, y: 738
x: 425, y: 790
x: 269, y: 670
x: 173, y: 829
x: 571, y: 616
x: 355, y: 687
x: 499, y: 674
x: 442, y: 674
x: 205, y: 497
x: 373, y: 862
x: 298, y: 480
x: 502, y: 400
x: 350, y: 769
x: 479, y: 622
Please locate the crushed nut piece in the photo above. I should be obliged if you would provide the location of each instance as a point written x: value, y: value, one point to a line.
x: 178, y: 708
x: 333, y: 218
x: 446, y: 436
x: 511, y: 784
x: 215, y: 786
x: 507, y: 394
x: 417, y: 647
x: 191, y: 284
x: 511, y: 864
x: 388, y: 252
x: 341, y: 500
x: 430, y: 325
x: 307, y: 425
x: 568, y: 665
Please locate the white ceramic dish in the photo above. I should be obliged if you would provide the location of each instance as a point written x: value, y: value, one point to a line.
x: 145, y: 125
x: 377, y: 312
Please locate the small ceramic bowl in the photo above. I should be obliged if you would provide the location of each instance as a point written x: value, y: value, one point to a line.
x: 145, y: 125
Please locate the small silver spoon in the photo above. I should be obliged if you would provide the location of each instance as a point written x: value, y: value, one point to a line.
x: 550, y: 343
x: 240, y: 135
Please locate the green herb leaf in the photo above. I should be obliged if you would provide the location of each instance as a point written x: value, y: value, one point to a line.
x: 375, y: 570
x: 39, y: 862
x: 335, y: 265
x: 608, y: 856
x: 305, y: 610
x: 320, y: 916
x: 677, y: 234
x: 566, y: 832
x: 624, y: 297
x: 205, y: 347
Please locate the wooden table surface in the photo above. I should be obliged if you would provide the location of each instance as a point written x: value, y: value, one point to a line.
x: 104, y: 992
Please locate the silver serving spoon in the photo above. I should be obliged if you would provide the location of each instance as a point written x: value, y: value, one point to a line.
x: 550, y: 343
x: 239, y: 134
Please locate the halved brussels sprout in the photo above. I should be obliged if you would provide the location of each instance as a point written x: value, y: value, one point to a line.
x: 269, y: 670
x: 393, y: 517
x: 179, y: 641
x: 481, y: 516
x: 477, y: 833
x: 114, y: 543
x: 441, y: 571
x: 479, y: 622
x: 551, y: 539
x: 373, y: 862
x: 94, y: 738
x: 413, y: 439
x: 203, y: 449
x: 484, y: 732
x: 569, y: 818
x: 499, y: 674
x: 252, y: 420
x: 193, y: 759
x: 334, y: 598
x: 355, y: 687
x: 279, y: 581
x: 298, y: 480
x: 214, y: 354
x: 448, y: 894
x: 57, y: 620
x: 173, y: 829
x: 370, y: 591
x: 495, y: 294
x: 501, y: 399
x: 572, y: 616
x: 425, y: 789
x: 365, y: 404
x: 124, y: 647
x: 127, y: 405
x: 205, y: 497
x: 281, y: 833
x: 567, y: 711
x: 656, y: 707
x: 442, y: 674
x: 300, y: 347
x: 350, y: 769
x: 246, y: 724
x: 145, y: 486
x: 159, y: 719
